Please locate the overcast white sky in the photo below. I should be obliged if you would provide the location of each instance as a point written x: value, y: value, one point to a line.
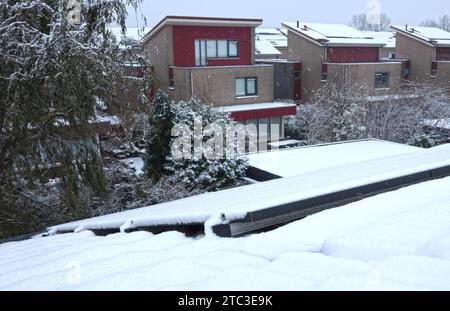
x: 275, y: 11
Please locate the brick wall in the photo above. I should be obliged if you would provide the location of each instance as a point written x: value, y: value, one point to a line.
x: 217, y: 85
x: 362, y: 75
x: 420, y: 55
x: 161, y: 56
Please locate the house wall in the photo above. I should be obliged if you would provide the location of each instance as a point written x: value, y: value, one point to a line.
x: 217, y: 85
x: 352, y: 54
x: 283, y: 72
x: 185, y: 36
x: 386, y: 52
x: 311, y: 56
x: 362, y: 75
x: 443, y: 73
x: 160, y: 49
x: 420, y: 54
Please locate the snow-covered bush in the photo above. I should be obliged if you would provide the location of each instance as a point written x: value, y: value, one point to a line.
x: 195, y: 170
x: 335, y: 115
x: 224, y: 171
x: 332, y: 114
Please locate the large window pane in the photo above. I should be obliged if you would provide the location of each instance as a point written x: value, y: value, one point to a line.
x: 264, y: 129
x: 275, y: 126
x: 197, y: 52
x: 222, y: 46
x: 251, y: 86
x: 212, y: 48
x: 240, y: 87
x: 233, y: 49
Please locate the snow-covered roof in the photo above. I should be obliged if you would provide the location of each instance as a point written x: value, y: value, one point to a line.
x: 232, y: 204
x: 297, y: 161
x: 333, y: 34
x: 386, y: 37
x: 274, y: 36
x: 431, y: 35
x: 394, y: 241
x: 133, y: 34
x: 264, y: 47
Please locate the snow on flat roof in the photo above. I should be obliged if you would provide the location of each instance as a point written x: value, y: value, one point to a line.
x: 250, y: 107
x: 134, y: 33
x: 264, y: 47
x: 274, y: 36
x: 386, y: 37
x: 235, y: 203
x: 394, y: 241
x: 430, y: 34
x: 292, y: 162
x: 334, y: 34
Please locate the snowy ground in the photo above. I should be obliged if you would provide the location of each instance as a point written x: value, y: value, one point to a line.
x: 394, y: 241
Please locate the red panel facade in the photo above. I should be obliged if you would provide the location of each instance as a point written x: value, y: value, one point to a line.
x: 184, y: 50
x: 352, y: 54
x: 264, y: 113
x: 443, y: 54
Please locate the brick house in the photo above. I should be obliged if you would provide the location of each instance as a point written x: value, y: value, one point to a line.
x: 213, y: 59
x: 340, y: 54
x: 427, y: 49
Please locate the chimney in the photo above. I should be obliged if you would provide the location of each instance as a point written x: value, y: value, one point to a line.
x: 406, y: 27
x: 305, y: 27
x: 298, y: 24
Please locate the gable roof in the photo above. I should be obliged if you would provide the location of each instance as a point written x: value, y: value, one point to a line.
x: 333, y: 34
x: 429, y: 35
x: 202, y: 21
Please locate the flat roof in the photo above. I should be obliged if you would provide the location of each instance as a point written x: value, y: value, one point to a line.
x: 431, y: 35
x: 302, y: 160
x: 264, y: 47
x: 386, y: 37
x: 223, y: 207
x: 333, y: 34
x: 392, y: 241
x: 275, y: 36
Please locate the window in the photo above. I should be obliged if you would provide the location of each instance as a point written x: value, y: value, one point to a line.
x: 171, y: 78
x: 382, y: 80
x: 233, y: 48
x: 434, y: 69
x: 200, y: 52
x: 222, y: 48
x: 211, y: 48
x: 246, y: 87
x: 324, y: 74
x: 206, y: 49
x: 276, y: 124
x: 264, y: 128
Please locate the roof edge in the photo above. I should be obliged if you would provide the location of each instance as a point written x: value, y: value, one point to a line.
x: 199, y: 20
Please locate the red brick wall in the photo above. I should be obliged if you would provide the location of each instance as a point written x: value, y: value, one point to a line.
x: 265, y: 113
x: 184, y: 50
x: 352, y: 54
x: 443, y: 54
